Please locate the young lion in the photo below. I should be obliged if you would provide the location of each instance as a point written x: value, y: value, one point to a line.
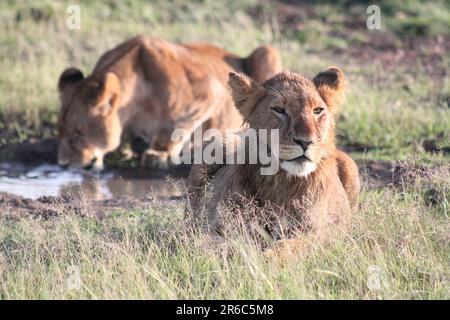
x: 316, y: 186
x: 148, y: 87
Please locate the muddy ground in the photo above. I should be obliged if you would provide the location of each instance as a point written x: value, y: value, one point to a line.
x: 13, y: 207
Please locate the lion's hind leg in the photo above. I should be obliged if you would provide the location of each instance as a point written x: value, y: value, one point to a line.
x: 349, y: 176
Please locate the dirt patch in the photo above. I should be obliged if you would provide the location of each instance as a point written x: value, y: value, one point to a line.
x: 378, y: 174
x: 32, y: 151
x: 13, y: 207
x: 389, y: 57
x: 18, y: 131
x: 437, y: 145
x: 45, y: 207
x: 432, y: 182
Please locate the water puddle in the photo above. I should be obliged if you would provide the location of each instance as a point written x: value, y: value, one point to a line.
x: 33, y: 182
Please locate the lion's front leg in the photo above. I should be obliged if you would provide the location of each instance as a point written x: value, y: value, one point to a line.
x: 302, y: 244
x: 125, y: 149
x: 158, y: 153
x: 155, y: 159
x: 286, y: 249
x: 166, y: 146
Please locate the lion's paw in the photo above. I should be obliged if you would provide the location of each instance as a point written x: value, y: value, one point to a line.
x: 126, y: 153
x: 285, y: 250
x: 155, y: 159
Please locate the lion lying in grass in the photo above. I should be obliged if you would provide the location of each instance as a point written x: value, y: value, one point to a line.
x: 317, y: 185
x: 148, y: 87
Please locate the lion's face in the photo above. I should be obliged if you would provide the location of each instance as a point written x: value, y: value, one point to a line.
x: 88, y: 124
x: 301, y: 109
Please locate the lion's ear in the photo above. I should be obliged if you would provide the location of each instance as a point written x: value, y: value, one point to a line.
x: 109, y: 98
x: 245, y: 92
x: 331, y: 86
x: 68, y: 77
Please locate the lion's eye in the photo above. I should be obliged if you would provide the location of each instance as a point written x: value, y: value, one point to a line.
x: 280, y: 112
x: 318, y: 110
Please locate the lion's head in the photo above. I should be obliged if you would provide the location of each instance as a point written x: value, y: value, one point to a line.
x: 301, y: 109
x: 88, y: 124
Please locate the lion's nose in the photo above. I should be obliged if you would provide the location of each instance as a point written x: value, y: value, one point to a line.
x: 91, y: 164
x: 305, y: 144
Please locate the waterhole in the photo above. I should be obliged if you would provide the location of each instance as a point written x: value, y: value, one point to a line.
x: 33, y: 182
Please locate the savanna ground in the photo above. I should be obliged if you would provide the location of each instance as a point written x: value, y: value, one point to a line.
x: 396, y: 123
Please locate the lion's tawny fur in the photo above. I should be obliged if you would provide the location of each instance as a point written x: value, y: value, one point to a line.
x: 319, y: 201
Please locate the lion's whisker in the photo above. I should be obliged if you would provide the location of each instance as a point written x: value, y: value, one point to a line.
x: 274, y: 92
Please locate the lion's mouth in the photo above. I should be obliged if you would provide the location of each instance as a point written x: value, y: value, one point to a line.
x: 301, y: 158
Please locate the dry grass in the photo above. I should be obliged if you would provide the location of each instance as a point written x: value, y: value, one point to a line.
x: 397, y: 249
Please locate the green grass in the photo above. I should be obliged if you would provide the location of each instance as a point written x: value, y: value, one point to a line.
x: 393, y: 119
x: 417, y: 18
